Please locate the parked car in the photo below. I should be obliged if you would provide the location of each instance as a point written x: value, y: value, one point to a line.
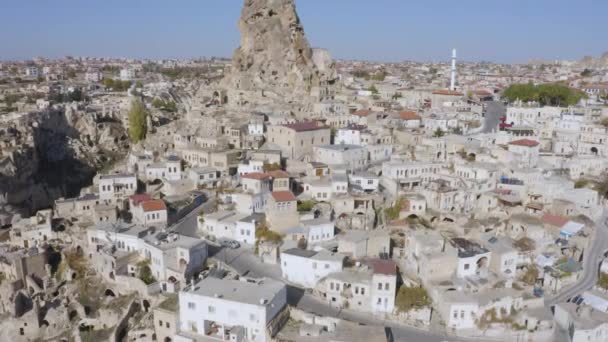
x: 229, y: 243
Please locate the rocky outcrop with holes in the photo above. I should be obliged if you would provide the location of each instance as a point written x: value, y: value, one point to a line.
x: 275, y: 61
x: 52, y: 154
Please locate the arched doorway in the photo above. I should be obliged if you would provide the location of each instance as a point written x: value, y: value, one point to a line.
x: 594, y: 150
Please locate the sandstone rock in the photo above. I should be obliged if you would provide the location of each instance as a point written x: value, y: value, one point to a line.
x: 275, y: 61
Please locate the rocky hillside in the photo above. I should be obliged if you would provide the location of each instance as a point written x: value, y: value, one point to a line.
x: 53, y: 154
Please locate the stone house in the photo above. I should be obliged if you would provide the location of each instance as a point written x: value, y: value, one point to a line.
x: 298, y: 139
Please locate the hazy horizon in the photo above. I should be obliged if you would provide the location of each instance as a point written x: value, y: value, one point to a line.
x: 383, y: 31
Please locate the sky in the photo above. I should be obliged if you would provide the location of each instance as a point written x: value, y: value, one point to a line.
x: 506, y: 31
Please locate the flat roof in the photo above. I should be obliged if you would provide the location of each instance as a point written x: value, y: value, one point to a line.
x: 240, y: 291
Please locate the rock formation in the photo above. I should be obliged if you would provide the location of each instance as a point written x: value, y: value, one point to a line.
x: 275, y: 61
x: 51, y: 154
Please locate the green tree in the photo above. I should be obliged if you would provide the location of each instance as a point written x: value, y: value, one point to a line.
x: 138, y: 126
x: 586, y: 73
x: 603, y: 281
x: 548, y: 94
x: 409, y: 298
x: 158, y: 103
x: 373, y: 89
x: 438, y: 133
x: 531, y: 275
x: 145, y: 273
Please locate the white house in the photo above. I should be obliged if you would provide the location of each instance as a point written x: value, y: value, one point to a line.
x: 526, y: 151
x: 364, y: 181
x: 233, y: 310
x: 473, y: 259
x: 117, y: 186
x: 204, y: 176
x: 231, y: 225
x: 127, y: 74
x: 150, y: 213
x: 306, y: 268
x: 353, y: 156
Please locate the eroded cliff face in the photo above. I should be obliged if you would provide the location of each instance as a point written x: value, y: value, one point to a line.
x: 44, y: 156
x: 275, y: 59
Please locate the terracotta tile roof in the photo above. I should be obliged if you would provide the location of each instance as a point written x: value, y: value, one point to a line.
x: 387, y: 267
x: 482, y: 92
x: 555, y: 220
x: 153, y: 205
x: 409, y: 116
x: 448, y: 92
x: 138, y: 198
x: 362, y: 112
x: 256, y: 176
x: 305, y: 126
x: 283, y: 196
x: 525, y: 142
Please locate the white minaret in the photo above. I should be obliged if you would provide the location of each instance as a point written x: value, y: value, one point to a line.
x: 453, y: 79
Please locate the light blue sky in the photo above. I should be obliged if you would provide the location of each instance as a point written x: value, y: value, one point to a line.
x: 387, y: 30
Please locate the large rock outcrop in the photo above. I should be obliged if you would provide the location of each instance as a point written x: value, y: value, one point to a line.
x: 52, y: 154
x: 275, y: 61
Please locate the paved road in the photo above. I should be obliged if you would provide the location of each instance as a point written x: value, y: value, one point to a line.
x: 244, y: 262
x: 591, y: 262
x: 188, y: 224
x: 494, y: 111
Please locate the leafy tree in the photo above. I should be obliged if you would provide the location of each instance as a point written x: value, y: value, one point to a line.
x: 586, y: 73
x: 373, y: 89
x: 145, y: 273
x: 139, y: 84
x: 603, y: 281
x: 158, y: 103
x: 306, y: 205
x: 438, y: 133
x: 393, y: 212
x: 138, y: 126
x: 531, y: 275
x: 549, y: 94
x: 409, y: 298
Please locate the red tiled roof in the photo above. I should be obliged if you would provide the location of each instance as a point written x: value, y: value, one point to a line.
x: 283, y: 196
x: 153, y: 205
x: 256, y: 176
x: 409, y: 116
x: 387, y: 267
x: 447, y: 92
x: 138, y: 198
x: 305, y: 126
x: 525, y: 142
x: 482, y: 92
x: 555, y: 220
x: 362, y: 112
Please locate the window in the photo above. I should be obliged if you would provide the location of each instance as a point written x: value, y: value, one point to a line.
x: 167, y: 325
x: 462, y: 314
x: 455, y: 314
x: 466, y: 266
x: 252, y: 317
x: 314, y: 265
x: 331, y: 286
x: 191, y: 306
x: 379, y: 286
x: 211, y: 309
x: 362, y: 290
x: 379, y: 300
x: 386, y: 286
x: 326, y: 265
x: 160, y: 323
